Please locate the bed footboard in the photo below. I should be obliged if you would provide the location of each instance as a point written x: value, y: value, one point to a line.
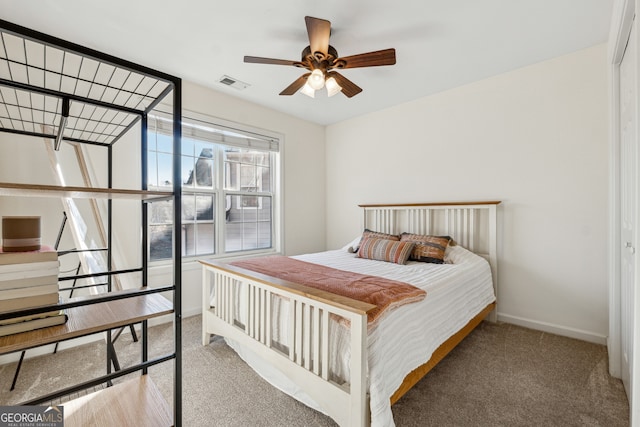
x: 243, y: 309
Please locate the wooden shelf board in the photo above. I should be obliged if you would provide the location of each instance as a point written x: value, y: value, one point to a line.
x: 136, y: 402
x: 38, y: 190
x: 90, y: 319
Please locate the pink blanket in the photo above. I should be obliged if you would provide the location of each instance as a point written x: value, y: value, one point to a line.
x: 384, y: 293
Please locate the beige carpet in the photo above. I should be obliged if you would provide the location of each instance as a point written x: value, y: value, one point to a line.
x: 501, y: 375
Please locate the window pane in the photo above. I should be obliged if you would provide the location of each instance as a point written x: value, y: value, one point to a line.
x: 249, y: 224
x: 250, y: 236
x: 249, y: 205
x: 165, y: 143
x: 203, y: 149
x: 188, y: 239
x: 204, y: 172
x: 233, y: 234
x: 187, y: 171
x: 188, y: 207
x: 205, y: 239
x: 188, y: 147
x: 234, y: 207
x: 264, y: 179
x: 204, y: 208
x: 151, y: 140
x: 248, y: 177
x: 161, y: 212
x: 152, y: 169
x: 263, y: 159
x: 165, y: 170
x: 264, y: 211
x: 231, y: 176
x: 160, y: 242
x: 264, y: 235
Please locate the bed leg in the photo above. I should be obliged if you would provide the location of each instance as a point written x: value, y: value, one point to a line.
x: 359, y: 359
x: 206, y: 338
x: 207, y: 284
x: 493, y: 315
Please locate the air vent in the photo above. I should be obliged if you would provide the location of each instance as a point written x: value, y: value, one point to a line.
x: 234, y: 83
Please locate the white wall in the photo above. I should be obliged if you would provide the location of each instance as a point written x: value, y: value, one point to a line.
x: 535, y: 138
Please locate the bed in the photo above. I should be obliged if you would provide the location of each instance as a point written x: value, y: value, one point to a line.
x: 318, y: 346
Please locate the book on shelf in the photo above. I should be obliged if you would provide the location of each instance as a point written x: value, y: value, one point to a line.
x: 29, y: 325
x: 31, y: 317
x: 29, y: 266
x: 46, y: 253
x: 19, y: 271
x: 30, y: 291
x: 29, y: 282
x: 28, y: 302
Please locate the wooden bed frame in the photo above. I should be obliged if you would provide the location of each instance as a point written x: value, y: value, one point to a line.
x: 471, y: 224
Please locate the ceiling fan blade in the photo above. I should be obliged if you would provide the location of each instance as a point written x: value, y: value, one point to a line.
x: 349, y: 88
x: 319, y: 31
x: 259, y: 60
x: 293, y: 87
x: 370, y: 59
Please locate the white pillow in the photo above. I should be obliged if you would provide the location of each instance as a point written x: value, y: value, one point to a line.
x: 352, y: 246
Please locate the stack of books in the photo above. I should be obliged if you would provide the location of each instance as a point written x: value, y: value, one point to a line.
x: 28, y: 280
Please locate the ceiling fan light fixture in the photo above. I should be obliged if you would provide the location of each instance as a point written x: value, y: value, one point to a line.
x: 321, y: 60
x: 332, y: 86
x: 308, y: 90
x: 316, y: 79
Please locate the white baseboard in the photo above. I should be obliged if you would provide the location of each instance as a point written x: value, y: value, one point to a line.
x: 192, y: 312
x: 551, y: 328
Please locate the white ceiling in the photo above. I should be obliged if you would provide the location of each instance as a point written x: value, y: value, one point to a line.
x: 440, y: 44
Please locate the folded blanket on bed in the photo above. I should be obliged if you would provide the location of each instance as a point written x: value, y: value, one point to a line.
x: 384, y: 293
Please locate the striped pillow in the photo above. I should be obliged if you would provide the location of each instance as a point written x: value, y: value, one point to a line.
x: 427, y: 248
x: 376, y: 235
x: 385, y: 250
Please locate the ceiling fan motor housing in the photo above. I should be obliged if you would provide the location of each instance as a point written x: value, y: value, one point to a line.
x: 312, y: 61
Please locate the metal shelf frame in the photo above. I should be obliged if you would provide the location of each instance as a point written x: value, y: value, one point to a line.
x: 52, y: 88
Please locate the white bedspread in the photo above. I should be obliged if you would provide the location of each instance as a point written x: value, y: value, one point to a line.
x: 407, y: 336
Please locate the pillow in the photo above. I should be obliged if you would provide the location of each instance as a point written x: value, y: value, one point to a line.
x: 376, y: 235
x: 427, y: 248
x: 385, y: 250
x: 352, y: 246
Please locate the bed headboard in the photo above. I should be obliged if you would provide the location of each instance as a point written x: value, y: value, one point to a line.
x: 473, y: 225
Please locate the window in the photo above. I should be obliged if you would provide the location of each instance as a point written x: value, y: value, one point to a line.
x: 228, y: 188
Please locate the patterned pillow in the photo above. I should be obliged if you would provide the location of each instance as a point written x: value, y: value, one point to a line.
x: 376, y: 235
x: 385, y: 250
x: 427, y: 248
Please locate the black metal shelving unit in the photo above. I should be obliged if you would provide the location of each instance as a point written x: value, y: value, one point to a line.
x: 54, y: 89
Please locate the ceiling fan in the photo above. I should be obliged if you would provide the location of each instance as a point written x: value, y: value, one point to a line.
x: 322, y: 59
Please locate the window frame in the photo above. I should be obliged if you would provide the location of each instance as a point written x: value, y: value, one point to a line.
x: 219, y: 193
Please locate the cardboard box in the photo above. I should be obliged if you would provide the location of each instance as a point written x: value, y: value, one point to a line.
x: 20, y: 233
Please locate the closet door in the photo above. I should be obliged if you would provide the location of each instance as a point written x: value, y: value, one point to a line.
x: 628, y: 179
